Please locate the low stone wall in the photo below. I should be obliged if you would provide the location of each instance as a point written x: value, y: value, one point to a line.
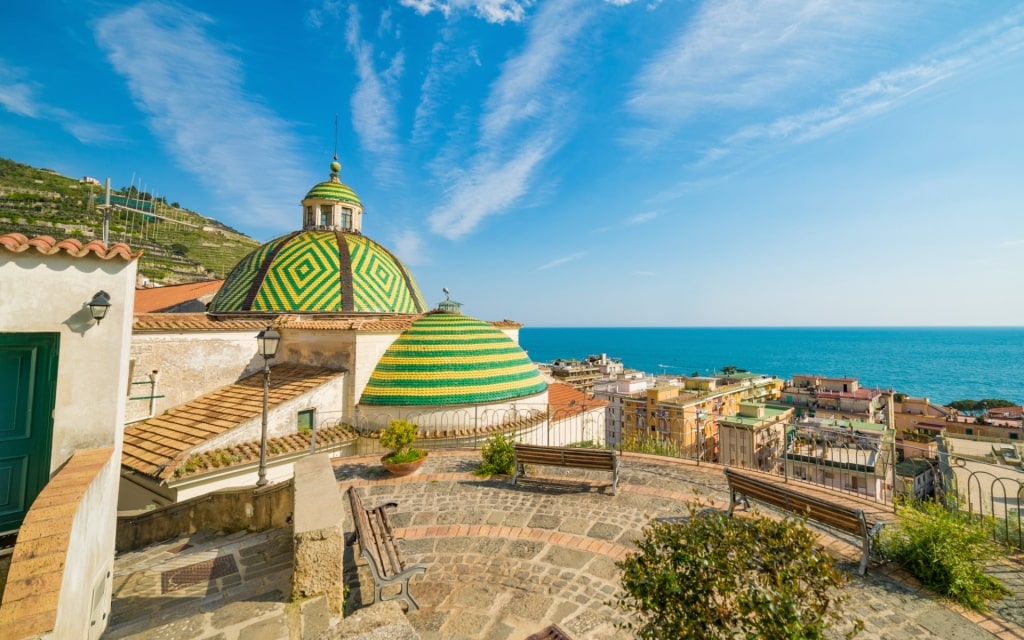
x: 229, y: 510
x: 320, y: 514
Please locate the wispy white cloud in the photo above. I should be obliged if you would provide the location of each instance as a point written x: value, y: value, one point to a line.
x: 741, y: 54
x: 641, y: 218
x: 445, y: 66
x: 19, y: 97
x: 560, y: 261
x: 524, y: 123
x: 885, y: 91
x: 409, y: 245
x: 318, y: 15
x: 191, y: 90
x: 373, y: 101
x: 495, y: 11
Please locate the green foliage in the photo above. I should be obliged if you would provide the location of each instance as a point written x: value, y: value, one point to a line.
x: 399, y: 437
x: 981, y: 405
x: 714, y: 577
x: 729, y: 369
x: 640, y: 442
x: 946, y: 551
x: 899, y: 397
x: 498, y: 456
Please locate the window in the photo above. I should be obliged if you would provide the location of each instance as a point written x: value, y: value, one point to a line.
x: 346, y: 218
x: 310, y: 220
x: 306, y: 420
x: 969, y: 431
x: 325, y: 215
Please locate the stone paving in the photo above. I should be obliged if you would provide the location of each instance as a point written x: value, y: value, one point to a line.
x: 502, y: 561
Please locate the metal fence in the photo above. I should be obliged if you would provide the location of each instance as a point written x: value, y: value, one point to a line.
x: 840, y: 460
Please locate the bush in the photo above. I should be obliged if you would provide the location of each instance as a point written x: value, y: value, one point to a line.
x: 498, y: 456
x: 713, y: 577
x: 946, y: 551
x: 399, y: 437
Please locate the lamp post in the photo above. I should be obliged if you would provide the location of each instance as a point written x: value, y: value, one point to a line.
x: 268, y: 340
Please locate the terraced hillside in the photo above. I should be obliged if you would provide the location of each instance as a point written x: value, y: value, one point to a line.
x: 180, y: 245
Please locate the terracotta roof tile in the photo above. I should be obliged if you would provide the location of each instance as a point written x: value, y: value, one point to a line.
x: 193, y: 322
x: 157, y: 298
x: 566, y: 401
x: 46, y: 245
x: 507, y: 324
x: 185, y: 465
x: 348, y: 323
x: 150, y: 447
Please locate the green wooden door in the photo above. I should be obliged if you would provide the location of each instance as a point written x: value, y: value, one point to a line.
x: 28, y: 385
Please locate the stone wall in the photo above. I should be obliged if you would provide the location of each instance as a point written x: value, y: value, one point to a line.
x: 229, y: 510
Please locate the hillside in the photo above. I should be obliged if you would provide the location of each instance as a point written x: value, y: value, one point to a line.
x: 180, y: 245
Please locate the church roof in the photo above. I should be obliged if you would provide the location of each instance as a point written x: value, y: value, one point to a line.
x: 320, y: 271
x: 451, y: 359
x: 333, y: 188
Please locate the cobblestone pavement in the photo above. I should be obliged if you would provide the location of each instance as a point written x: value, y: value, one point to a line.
x: 502, y: 561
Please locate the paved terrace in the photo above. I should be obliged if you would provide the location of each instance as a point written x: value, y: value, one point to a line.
x: 502, y: 561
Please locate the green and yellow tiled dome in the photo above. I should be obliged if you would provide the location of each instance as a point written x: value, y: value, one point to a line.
x: 451, y: 359
x: 319, y: 271
x: 334, y: 189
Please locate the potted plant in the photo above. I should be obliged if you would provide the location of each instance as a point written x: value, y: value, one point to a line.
x: 404, y: 459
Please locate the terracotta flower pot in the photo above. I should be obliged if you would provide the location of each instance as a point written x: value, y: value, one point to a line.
x: 400, y: 469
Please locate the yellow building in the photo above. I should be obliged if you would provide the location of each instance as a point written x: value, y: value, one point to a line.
x: 755, y: 437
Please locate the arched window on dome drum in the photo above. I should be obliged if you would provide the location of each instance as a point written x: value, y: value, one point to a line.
x: 325, y: 215
x: 310, y: 220
x: 346, y: 218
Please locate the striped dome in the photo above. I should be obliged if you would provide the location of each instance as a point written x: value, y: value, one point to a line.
x: 449, y: 359
x: 319, y: 271
x: 334, y: 189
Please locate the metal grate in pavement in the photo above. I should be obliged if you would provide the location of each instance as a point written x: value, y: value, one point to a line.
x: 197, y: 573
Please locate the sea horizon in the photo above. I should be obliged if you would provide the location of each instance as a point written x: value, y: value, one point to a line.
x: 942, y: 363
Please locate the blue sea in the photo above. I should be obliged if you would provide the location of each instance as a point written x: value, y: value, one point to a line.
x: 943, y: 364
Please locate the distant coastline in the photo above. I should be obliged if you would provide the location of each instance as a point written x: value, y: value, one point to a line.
x: 941, y: 363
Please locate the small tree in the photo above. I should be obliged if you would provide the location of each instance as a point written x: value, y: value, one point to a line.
x: 715, y: 577
x: 498, y: 456
x: 399, y: 437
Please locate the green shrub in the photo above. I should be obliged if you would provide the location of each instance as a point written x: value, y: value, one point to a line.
x: 715, y: 577
x: 399, y: 437
x: 498, y: 456
x: 946, y: 551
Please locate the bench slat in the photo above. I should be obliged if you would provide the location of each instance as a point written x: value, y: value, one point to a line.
x: 576, y: 457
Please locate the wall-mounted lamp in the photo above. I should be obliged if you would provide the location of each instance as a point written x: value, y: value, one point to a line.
x: 98, y: 305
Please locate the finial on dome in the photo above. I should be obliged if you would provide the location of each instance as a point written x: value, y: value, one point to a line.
x: 335, y: 168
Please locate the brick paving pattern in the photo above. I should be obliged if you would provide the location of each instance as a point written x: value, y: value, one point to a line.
x: 503, y: 562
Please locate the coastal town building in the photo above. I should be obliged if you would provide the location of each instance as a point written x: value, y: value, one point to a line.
x: 684, y: 418
x: 580, y: 374
x: 915, y: 478
x: 755, y: 437
x: 848, y: 455
x: 841, y: 398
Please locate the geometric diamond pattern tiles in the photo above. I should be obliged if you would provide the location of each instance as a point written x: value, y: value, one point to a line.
x: 308, y: 272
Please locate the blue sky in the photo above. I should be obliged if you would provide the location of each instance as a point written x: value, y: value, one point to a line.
x: 573, y: 162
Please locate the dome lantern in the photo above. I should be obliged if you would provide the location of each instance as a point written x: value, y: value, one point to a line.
x: 332, y: 205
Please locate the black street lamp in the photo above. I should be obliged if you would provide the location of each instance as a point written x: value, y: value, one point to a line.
x: 268, y: 341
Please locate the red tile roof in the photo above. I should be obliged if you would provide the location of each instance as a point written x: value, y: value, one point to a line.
x: 507, y: 324
x: 158, y: 298
x: 396, y: 324
x: 194, y: 322
x: 150, y: 447
x: 566, y: 401
x: 46, y: 245
x: 185, y: 465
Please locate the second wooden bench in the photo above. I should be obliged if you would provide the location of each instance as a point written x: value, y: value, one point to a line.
x: 577, y: 457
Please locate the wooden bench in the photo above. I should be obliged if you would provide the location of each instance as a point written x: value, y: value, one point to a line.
x: 377, y: 542
x: 842, y: 518
x: 577, y: 457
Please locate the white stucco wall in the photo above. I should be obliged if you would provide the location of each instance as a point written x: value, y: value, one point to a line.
x: 448, y: 418
x: 49, y: 294
x: 190, y: 364
x: 89, y: 564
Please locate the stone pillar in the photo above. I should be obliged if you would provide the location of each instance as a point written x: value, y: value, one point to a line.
x: 319, y: 533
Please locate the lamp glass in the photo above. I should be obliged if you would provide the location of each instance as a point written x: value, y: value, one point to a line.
x: 99, y: 305
x: 268, y: 341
